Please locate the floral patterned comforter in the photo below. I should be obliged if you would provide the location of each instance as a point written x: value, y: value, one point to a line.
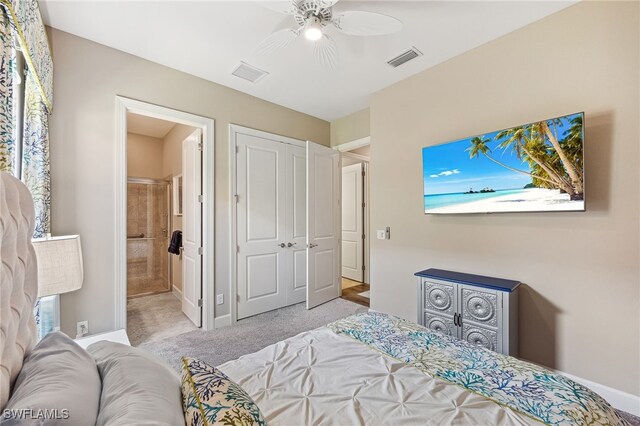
x: 524, y: 387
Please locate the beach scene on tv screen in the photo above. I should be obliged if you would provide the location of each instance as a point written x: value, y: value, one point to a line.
x: 529, y: 168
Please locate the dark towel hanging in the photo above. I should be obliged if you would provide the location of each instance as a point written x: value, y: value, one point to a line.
x: 176, y: 242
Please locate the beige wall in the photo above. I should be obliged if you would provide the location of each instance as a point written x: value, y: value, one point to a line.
x: 350, y: 128
x: 144, y: 156
x: 87, y: 79
x: 172, y: 166
x: 579, y: 310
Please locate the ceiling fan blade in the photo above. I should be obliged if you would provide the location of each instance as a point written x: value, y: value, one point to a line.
x: 326, y: 52
x: 361, y: 23
x: 288, y: 7
x: 275, y: 41
x: 324, y: 4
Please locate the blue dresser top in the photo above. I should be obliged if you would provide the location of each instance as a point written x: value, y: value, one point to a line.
x: 476, y: 280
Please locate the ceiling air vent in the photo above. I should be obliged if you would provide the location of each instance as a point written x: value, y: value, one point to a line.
x: 404, y: 57
x: 249, y: 72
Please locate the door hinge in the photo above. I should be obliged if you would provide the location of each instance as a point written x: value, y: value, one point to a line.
x: 363, y: 173
x: 363, y: 205
x: 364, y: 267
x: 237, y: 197
x: 200, y: 146
x: 200, y: 303
x: 201, y: 198
x: 363, y: 236
x: 200, y: 251
x: 237, y: 249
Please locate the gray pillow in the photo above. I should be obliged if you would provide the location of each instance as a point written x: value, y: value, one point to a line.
x: 137, y: 388
x: 58, y: 384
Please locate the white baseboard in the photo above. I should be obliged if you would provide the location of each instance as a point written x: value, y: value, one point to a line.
x: 621, y: 400
x: 223, y: 321
x: 176, y: 292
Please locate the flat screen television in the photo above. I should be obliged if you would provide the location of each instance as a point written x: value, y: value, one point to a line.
x: 535, y: 167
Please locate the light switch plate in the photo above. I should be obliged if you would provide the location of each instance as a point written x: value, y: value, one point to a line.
x: 382, y: 234
x: 220, y: 299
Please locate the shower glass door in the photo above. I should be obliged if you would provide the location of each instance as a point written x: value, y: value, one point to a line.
x: 147, y: 237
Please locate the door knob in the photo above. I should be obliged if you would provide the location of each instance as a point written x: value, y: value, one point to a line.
x: 291, y: 244
x: 282, y: 245
x: 312, y: 245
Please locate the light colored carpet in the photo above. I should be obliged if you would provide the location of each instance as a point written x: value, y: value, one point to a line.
x: 156, y: 317
x: 249, y: 335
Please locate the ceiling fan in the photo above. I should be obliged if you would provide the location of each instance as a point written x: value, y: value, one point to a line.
x: 314, y: 16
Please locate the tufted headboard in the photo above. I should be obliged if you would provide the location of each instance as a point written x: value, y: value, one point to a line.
x: 18, y: 281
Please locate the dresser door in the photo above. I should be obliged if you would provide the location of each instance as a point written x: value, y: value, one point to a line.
x: 439, y: 306
x: 481, y: 316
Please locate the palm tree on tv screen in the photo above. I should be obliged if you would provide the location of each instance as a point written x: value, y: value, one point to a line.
x: 554, y: 163
x: 479, y: 146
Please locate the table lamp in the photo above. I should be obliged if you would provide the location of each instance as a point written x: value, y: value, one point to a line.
x: 59, y: 271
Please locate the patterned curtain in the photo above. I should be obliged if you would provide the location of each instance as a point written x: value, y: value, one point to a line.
x: 35, y: 155
x: 8, y: 117
x: 28, y: 28
x: 21, y: 21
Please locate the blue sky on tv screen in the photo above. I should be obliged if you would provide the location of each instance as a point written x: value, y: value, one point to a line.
x: 448, y: 168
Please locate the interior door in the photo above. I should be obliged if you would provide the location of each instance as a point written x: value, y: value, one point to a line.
x: 323, y: 224
x: 261, y: 224
x: 192, y: 227
x: 352, y: 222
x: 296, y: 285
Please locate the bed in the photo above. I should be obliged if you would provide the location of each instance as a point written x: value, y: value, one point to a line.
x: 367, y: 369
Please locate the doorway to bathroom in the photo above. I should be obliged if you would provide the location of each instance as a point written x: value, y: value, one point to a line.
x: 154, y: 229
x: 162, y: 265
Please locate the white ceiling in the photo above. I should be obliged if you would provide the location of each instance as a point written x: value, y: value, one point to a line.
x: 209, y: 38
x: 148, y: 126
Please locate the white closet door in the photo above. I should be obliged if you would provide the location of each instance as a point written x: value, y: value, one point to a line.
x: 296, y: 285
x: 262, y: 261
x: 352, y: 222
x: 192, y: 227
x: 323, y: 224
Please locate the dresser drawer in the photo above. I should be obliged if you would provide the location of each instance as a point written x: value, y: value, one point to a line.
x: 439, y: 297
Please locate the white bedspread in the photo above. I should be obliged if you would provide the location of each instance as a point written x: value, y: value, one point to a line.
x: 321, y: 378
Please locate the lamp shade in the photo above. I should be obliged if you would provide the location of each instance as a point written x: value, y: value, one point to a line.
x: 59, y: 264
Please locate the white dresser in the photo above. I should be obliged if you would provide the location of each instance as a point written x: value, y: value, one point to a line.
x: 481, y: 310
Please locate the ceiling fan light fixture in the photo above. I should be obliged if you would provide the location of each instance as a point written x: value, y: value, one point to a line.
x: 313, y: 30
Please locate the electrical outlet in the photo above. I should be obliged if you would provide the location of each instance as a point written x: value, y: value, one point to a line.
x: 82, y: 328
x: 220, y: 299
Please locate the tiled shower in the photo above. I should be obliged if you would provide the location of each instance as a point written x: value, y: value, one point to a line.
x: 147, y: 237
